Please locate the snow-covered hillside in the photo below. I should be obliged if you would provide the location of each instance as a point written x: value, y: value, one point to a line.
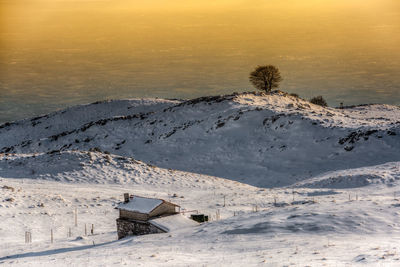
x: 263, y: 140
x: 333, y: 178
x: 74, y: 117
x: 303, y: 225
x: 387, y: 174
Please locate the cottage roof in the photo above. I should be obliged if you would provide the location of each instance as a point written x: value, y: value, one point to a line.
x: 173, y: 222
x: 141, y: 204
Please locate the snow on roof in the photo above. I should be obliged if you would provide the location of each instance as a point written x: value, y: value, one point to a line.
x: 141, y: 204
x: 173, y: 222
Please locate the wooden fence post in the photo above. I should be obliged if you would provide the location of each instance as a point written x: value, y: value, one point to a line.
x: 217, y: 215
x: 76, y: 216
x: 28, y: 237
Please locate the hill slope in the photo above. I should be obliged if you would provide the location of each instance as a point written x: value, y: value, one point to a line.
x: 263, y: 140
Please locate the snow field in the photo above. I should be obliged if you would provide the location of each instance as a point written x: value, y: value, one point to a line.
x: 281, y: 226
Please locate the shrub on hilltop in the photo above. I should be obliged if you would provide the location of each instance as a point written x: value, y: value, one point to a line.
x: 319, y: 100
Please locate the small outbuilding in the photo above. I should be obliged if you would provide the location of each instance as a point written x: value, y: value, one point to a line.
x: 142, y: 215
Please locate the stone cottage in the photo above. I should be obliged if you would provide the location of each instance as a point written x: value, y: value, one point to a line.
x: 142, y: 215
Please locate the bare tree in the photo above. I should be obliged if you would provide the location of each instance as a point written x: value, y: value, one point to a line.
x: 265, y: 78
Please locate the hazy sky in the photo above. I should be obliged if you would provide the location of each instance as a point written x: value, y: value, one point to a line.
x: 55, y: 53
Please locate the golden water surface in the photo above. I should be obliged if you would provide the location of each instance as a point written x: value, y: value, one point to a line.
x: 55, y: 53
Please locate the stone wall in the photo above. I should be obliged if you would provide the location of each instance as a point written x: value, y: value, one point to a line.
x: 130, y: 227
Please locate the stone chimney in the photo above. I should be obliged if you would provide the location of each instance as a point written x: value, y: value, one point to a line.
x: 126, y: 197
